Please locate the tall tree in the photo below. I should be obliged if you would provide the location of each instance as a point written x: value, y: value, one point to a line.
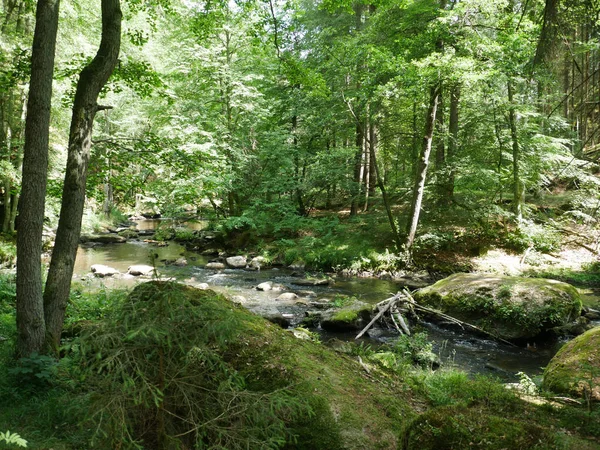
x: 423, y: 164
x: 91, y: 81
x: 30, y: 309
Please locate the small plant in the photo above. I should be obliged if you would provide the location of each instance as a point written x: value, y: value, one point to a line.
x: 12, y: 439
x: 35, y: 371
x: 526, y: 384
x: 362, y: 350
x: 416, y: 349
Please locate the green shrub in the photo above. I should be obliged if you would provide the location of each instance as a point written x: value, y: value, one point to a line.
x: 159, y: 377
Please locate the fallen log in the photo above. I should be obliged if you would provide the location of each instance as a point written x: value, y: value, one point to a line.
x: 406, y: 297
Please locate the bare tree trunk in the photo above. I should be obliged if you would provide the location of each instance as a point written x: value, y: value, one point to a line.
x: 92, y: 79
x: 30, y: 306
x: 356, y: 190
x: 518, y: 186
x: 421, y: 175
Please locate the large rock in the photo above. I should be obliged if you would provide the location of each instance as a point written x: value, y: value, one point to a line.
x: 510, y: 307
x: 575, y: 369
x: 140, y: 270
x: 236, y: 262
x: 215, y: 265
x: 349, y: 318
x: 101, y: 271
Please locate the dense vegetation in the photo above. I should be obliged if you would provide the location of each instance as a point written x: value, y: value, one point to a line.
x: 370, y: 137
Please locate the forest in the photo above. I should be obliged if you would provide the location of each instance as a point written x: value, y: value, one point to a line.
x: 312, y: 224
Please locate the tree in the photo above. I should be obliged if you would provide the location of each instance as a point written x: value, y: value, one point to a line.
x: 91, y: 81
x: 30, y: 310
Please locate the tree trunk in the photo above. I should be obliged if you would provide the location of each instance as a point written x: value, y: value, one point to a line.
x: 452, y: 143
x: 421, y: 175
x: 30, y: 308
x: 379, y: 180
x: 92, y: 79
x: 440, y: 152
x: 356, y: 190
x: 518, y: 186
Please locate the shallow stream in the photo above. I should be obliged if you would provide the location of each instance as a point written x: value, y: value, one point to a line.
x: 468, y: 352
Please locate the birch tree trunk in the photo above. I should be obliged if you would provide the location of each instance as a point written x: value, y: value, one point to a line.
x: 421, y: 175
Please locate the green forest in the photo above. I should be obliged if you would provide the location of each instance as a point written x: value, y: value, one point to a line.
x: 297, y: 224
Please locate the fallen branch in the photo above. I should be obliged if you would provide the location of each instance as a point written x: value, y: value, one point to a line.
x: 391, y: 301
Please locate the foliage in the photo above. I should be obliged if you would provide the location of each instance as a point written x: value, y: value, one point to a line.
x: 157, y: 371
x: 13, y: 439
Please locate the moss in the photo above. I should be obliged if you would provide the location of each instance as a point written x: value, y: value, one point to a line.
x: 511, y: 307
x: 349, y: 318
x: 335, y: 405
x: 575, y: 369
x: 458, y: 427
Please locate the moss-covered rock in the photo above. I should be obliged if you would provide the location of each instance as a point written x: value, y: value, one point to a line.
x: 458, y: 427
x: 509, y: 307
x: 575, y: 369
x: 349, y: 318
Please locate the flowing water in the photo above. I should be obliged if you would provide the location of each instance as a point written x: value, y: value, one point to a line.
x: 465, y: 351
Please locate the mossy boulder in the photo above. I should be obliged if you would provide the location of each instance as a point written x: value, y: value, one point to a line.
x: 512, y: 308
x: 459, y: 427
x: 575, y: 369
x: 245, y: 382
x: 349, y: 318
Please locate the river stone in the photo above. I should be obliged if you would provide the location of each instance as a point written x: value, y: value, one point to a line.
x: 512, y: 308
x: 140, y: 269
x: 101, y: 271
x: 350, y: 318
x: 215, y: 265
x: 257, y: 262
x: 105, y: 239
x: 266, y: 286
x: 236, y: 262
x: 180, y: 262
x: 575, y: 369
x: 287, y: 296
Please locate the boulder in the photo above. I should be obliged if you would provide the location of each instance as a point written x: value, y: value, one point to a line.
x: 140, y: 270
x: 266, y: 286
x: 512, y: 308
x: 349, y: 318
x: 101, y: 271
x: 575, y: 369
x: 236, y: 262
x: 215, y: 265
x: 257, y: 262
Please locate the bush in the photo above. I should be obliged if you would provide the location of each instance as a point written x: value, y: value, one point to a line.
x: 159, y: 377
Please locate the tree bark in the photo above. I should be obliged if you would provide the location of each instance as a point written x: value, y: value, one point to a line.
x: 92, y: 79
x: 30, y: 308
x: 518, y: 186
x: 423, y: 164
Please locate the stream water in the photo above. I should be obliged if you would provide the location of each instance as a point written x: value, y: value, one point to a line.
x: 468, y: 352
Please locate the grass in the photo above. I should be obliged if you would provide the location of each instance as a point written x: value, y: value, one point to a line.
x: 392, y: 406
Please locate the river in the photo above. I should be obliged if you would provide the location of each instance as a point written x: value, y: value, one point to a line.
x: 473, y: 354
